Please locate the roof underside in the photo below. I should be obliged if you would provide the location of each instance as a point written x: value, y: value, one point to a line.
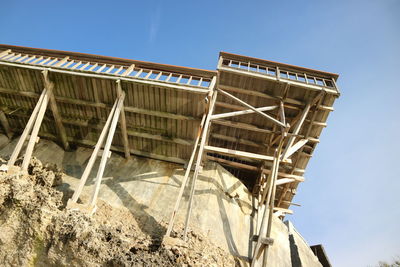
x: 165, y: 104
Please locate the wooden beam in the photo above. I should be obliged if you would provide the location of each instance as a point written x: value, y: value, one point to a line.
x: 185, y: 178
x: 237, y: 140
x: 295, y: 147
x: 243, y: 112
x: 242, y: 125
x: 35, y: 131
x: 289, y: 102
x: 93, y: 157
x: 291, y: 177
x: 5, y: 124
x: 106, y: 150
x: 26, y: 131
x: 200, y: 154
x: 252, y: 108
x: 287, y: 211
x: 239, y: 153
x: 125, y: 140
x: 54, y: 109
x: 296, y: 130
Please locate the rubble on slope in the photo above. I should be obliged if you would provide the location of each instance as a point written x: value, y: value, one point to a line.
x: 36, y: 229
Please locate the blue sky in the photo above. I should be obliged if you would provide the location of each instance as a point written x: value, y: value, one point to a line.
x: 350, y: 200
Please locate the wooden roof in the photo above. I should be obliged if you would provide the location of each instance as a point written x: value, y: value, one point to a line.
x: 164, y: 106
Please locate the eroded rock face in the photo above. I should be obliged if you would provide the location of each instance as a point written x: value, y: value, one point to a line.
x: 36, y: 229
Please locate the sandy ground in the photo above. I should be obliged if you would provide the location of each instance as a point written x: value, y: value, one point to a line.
x: 37, y: 230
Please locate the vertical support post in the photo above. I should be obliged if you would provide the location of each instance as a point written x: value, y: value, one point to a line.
x: 106, y: 150
x: 266, y: 224
x: 125, y: 139
x: 93, y: 157
x: 5, y: 124
x: 35, y: 131
x: 185, y: 178
x: 199, y: 159
x: 53, y: 106
x: 266, y: 218
x: 26, y: 131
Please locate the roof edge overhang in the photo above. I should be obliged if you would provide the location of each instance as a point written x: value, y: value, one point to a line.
x: 278, y: 64
x: 110, y: 60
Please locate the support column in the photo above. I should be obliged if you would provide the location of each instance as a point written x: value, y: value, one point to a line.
x: 35, y: 131
x: 93, y: 157
x: 199, y: 159
x: 106, y: 150
x: 185, y: 178
x: 26, y: 131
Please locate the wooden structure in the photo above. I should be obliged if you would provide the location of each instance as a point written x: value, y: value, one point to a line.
x: 259, y: 119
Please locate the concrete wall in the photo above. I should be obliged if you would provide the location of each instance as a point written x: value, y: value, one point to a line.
x: 149, y: 188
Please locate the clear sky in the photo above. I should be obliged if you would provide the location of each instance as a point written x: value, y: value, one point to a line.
x: 350, y: 200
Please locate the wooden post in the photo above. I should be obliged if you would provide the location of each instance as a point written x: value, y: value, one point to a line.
x: 266, y: 223
x: 53, y: 106
x: 35, y: 131
x: 185, y: 178
x: 199, y: 159
x: 125, y: 139
x: 106, y: 150
x: 93, y: 157
x: 26, y: 131
x: 265, y: 218
x: 5, y: 124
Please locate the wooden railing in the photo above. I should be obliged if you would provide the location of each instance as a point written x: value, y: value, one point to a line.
x: 115, y: 70
x: 279, y: 73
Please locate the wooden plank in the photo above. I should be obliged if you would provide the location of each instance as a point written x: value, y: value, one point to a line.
x: 53, y: 106
x: 123, y: 122
x: 102, y: 105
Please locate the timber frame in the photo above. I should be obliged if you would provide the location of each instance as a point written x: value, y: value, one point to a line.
x: 260, y: 119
